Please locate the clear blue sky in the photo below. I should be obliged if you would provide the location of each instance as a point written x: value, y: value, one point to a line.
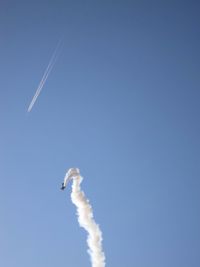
x: 122, y: 104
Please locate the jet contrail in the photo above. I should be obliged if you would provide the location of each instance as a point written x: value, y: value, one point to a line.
x: 85, y: 219
x: 46, y: 74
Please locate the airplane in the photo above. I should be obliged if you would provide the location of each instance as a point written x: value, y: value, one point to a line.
x: 72, y: 173
x: 63, y: 186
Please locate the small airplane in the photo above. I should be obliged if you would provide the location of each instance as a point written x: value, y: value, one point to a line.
x: 72, y: 173
x: 63, y: 186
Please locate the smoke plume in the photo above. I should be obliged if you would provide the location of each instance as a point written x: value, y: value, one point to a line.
x: 86, y: 220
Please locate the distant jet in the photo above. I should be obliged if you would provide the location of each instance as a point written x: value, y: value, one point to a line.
x: 72, y: 173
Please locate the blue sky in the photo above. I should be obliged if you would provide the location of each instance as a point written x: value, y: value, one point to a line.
x: 121, y: 104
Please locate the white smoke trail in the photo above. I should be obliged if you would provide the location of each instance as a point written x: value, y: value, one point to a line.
x: 86, y: 220
x: 46, y: 74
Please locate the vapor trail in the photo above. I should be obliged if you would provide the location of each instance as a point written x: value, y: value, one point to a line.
x: 86, y: 220
x: 49, y: 68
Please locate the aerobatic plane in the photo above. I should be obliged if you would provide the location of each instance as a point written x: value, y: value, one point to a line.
x: 63, y: 186
x: 72, y: 173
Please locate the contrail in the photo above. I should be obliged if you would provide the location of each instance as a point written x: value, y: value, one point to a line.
x: 46, y: 74
x: 86, y: 220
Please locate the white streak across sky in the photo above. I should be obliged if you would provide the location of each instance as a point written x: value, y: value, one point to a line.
x: 46, y: 73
